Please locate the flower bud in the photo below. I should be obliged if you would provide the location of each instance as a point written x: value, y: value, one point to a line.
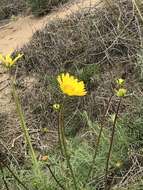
x: 120, y: 81
x: 56, y: 107
x: 121, y: 92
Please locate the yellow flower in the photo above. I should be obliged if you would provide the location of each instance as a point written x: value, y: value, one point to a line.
x: 56, y: 106
x: 71, y: 86
x: 120, y: 81
x: 7, y: 60
x: 121, y: 92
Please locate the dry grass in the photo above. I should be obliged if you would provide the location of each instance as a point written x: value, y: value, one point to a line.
x: 42, y: 7
x: 11, y: 7
x: 98, y: 45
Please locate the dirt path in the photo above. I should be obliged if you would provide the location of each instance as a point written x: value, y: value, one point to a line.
x: 19, y: 32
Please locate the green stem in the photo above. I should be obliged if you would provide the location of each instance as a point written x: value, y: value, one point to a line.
x: 111, y: 145
x: 17, y: 178
x: 55, y: 178
x: 63, y: 141
x: 98, y: 141
x: 24, y: 127
x: 59, y: 136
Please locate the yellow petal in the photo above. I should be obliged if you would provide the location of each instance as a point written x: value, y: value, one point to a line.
x: 8, y: 59
x: 69, y: 85
x: 2, y: 59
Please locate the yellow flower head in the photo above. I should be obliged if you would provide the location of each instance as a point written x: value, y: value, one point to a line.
x: 71, y: 86
x: 121, y: 92
x: 120, y: 81
x: 7, y: 60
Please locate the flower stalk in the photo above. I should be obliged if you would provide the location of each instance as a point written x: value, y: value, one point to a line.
x: 55, y: 178
x: 24, y: 128
x: 17, y: 178
x: 111, y: 145
x: 64, y: 145
x: 98, y: 141
x: 8, y: 62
